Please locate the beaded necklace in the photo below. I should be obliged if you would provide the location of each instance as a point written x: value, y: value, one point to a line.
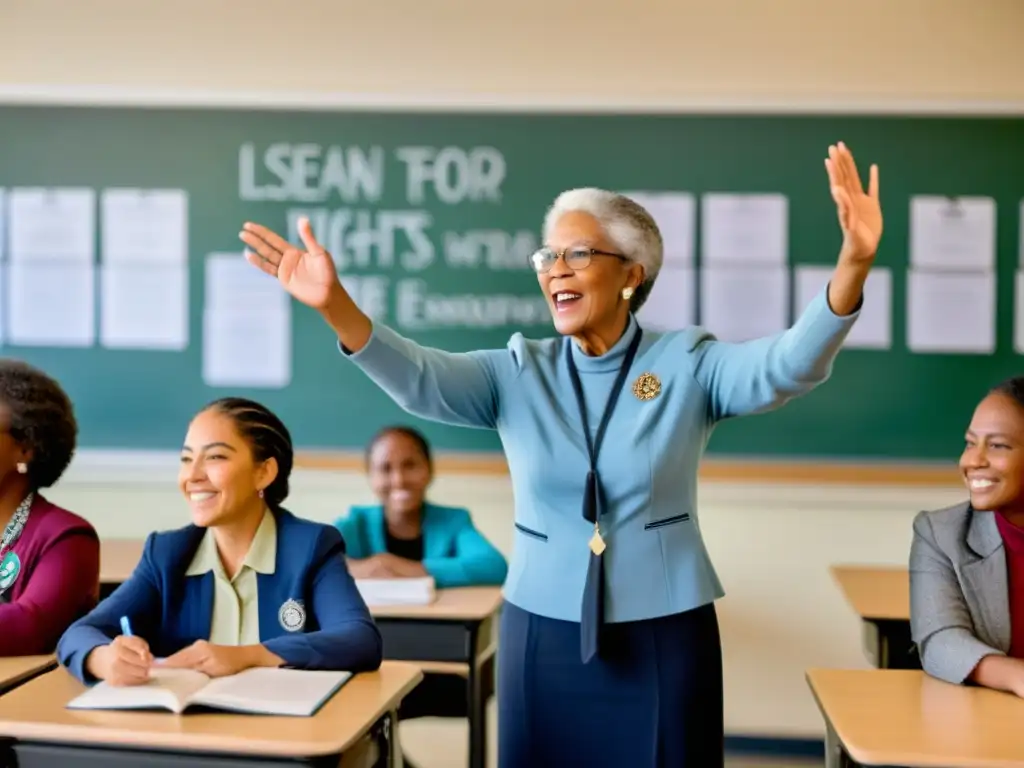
x: 17, y: 524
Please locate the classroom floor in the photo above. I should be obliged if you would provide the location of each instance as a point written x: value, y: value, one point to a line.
x: 431, y: 742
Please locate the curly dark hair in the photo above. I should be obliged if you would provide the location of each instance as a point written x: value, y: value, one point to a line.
x: 42, y: 420
x: 268, y: 438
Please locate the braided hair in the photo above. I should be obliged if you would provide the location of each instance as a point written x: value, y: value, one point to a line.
x: 267, y: 437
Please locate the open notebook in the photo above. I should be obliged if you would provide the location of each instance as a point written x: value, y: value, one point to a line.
x: 258, y: 691
x: 397, y: 591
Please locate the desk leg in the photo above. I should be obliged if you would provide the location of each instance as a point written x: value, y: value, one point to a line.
x: 392, y: 757
x: 835, y: 754
x: 477, y: 716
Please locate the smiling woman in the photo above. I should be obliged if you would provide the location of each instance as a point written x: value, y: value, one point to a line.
x: 967, y: 561
x: 49, y: 557
x: 609, y: 616
x: 248, y: 584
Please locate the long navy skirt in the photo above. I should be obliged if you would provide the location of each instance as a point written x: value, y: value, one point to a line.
x: 653, y: 699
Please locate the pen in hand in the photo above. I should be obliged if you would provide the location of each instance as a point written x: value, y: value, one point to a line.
x: 126, y: 631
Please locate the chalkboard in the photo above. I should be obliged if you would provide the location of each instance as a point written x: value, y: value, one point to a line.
x: 454, y: 245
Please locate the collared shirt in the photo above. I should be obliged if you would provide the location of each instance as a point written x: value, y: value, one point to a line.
x: 236, y: 619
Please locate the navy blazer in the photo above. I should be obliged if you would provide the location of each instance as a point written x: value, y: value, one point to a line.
x: 171, y: 610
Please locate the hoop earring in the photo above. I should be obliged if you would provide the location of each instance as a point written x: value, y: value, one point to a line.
x: 627, y: 293
x: 260, y: 493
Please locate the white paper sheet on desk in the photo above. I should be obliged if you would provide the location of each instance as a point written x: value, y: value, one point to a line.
x: 956, y: 234
x: 873, y: 329
x: 744, y: 303
x: 144, y: 306
x: 741, y: 229
x: 52, y: 225
x: 413, y: 591
x: 950, y: 312
x: 50, y: 304
x: 149, y: 225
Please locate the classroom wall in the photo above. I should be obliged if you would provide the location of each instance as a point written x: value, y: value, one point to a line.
x: 772, y: 543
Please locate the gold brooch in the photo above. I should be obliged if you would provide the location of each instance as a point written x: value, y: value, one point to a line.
x: 646, y: 387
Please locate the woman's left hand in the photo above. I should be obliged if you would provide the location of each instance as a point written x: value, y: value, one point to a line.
x: 212, y: 660
x: 860, y: 213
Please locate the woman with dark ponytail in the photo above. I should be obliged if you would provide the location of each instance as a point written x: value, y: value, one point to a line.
x: 247, y: 584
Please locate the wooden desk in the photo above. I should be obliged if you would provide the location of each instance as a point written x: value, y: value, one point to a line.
x: 118, y: 558
x: 15, y: 670
x: 881, y: 597
x: 905, y: 719
x: 453, y: 635
x: 356, y: 727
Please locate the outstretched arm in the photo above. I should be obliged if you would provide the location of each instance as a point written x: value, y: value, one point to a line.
x: 442, y: 386
x: 765, y: 373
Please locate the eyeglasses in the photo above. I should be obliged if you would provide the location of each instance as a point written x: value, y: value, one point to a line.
x: 575, y: 258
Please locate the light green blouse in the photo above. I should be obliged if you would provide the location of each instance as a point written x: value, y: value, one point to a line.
x: 236, y: 619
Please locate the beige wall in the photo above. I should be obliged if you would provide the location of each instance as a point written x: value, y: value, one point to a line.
x: 612, y: 52
x: 772, y: 544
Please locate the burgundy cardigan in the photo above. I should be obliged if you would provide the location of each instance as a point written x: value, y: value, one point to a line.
x: 58, y: 582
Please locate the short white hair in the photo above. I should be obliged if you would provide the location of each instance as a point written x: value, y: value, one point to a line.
x: 626, y: 223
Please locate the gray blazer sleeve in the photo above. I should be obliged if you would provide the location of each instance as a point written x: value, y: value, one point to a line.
x: 940, y: 620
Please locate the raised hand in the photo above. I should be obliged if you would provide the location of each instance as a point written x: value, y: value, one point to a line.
x: 860, y: 213
x: 310, y: 275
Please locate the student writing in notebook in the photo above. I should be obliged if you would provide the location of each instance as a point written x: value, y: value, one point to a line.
x: 967, y: 561
x: 49, y: 557
x: 247, y: 584
x: 407, y: 536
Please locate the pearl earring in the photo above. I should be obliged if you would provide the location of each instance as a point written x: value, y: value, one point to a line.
x: 627, y: 293
x: 22, y: 467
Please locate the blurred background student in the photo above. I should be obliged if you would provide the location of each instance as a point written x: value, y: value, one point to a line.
x: 406, y: 536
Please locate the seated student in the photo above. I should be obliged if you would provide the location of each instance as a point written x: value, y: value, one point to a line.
x: 967, y: 561
x: 407, y: 536
x: 248, y: 584
x: 49, y: 557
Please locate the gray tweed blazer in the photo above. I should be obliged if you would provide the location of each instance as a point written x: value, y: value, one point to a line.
x: 959, y: 594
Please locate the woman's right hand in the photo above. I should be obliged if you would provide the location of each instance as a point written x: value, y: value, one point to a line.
x: 125, y: 661
x: 310, y: 276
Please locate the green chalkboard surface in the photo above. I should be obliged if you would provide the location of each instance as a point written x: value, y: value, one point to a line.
x: 441, y: 256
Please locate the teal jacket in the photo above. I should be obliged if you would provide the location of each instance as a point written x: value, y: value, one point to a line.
x: 656, y: 561
x: 454, y: 551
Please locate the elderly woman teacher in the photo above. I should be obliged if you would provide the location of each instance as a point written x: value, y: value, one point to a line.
x: 609, y: 650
